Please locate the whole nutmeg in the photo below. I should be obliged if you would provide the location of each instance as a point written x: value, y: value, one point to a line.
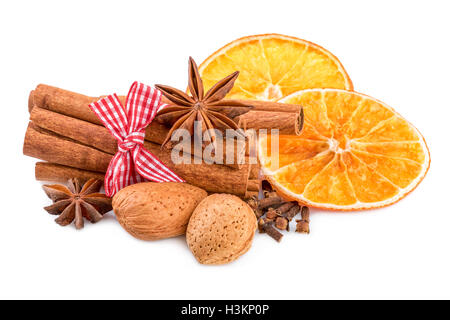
x: 221, y: 229
x: 152, y: 211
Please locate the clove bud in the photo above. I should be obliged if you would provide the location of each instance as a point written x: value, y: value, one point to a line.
x: 303, y: 224
x: 266, y: 226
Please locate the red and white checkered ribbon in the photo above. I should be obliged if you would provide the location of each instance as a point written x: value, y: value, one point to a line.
x: 132, y: 163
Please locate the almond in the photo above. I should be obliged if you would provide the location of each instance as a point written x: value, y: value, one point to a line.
x: 152, y: 211
x: 221, y: 229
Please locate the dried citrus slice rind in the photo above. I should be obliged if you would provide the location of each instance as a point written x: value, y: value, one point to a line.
x: 355, y: 152
x: 273, y: 66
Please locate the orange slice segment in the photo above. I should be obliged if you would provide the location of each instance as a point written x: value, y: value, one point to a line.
x: 399, y: 171
x: 295, y: 177
x: 331, y: 185
x: 392, y: 129
x: 368, y: 185
x: 273, y: 66
x: 404, y: 149
x: 294, y: 149
x: 360, y: 123
x: 355, y: 153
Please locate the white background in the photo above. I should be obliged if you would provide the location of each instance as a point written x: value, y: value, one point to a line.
x: 396, y: 51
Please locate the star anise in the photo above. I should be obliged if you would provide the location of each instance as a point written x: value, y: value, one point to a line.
x: 75, y: 202
x: 209, y: 109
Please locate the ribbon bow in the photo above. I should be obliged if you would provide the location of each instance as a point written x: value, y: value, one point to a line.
x: 132, y: 163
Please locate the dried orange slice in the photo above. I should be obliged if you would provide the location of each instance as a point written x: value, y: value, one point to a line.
x: 355, y: 152
x: 273, y: 66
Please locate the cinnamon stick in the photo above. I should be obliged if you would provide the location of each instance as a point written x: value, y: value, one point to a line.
x: 77, y: 105
x: 64, y: 108
x: 253, y: 185
x: 42, y: 145
x: 100, y: 138
x: 82, y: 131
x: 232, y: 149
x: 63, y: 101
x: 254, y: 171
x: 286, y: 123
x: 251, y: 194
x: 45, y: 171
x: 272, y: 106
x: 63, y: 151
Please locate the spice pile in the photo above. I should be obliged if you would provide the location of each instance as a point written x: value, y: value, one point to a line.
x: 275, y: 214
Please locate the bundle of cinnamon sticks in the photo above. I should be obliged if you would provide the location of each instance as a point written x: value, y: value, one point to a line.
x: 73, y: 143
